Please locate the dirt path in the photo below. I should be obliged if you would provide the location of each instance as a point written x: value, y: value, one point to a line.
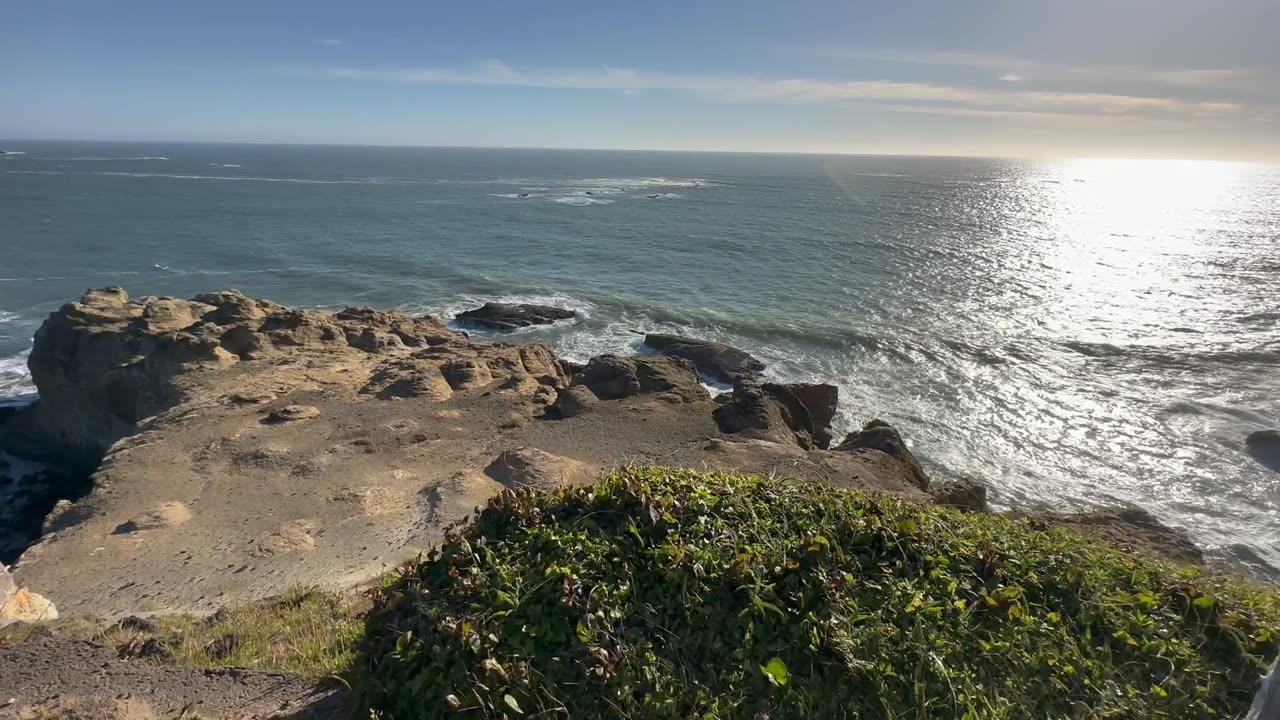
x: 49, y: 677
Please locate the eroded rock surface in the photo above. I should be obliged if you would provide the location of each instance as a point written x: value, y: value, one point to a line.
x: 246, y: 448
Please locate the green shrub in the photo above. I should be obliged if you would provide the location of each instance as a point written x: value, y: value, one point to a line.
x: 674, y: 594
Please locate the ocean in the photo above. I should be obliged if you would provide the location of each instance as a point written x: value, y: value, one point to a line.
x: 1077, y: 333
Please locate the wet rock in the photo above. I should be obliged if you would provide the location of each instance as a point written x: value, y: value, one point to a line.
x: 508, y: 316
x: 967, y: 494
x: 1264, y: 446
x: 716, y: 360
x: 879, y: 435
x: 534, y: 468
x: 290, y: 413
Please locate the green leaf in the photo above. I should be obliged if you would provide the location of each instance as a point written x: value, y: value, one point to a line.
x: 776, y: 671
x: 1204, y: 602
x: 511, y: 703
x: 584, y: 634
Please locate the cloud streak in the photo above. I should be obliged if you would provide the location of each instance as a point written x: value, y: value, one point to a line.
x: 1033, y: 69
x: 904, y: 96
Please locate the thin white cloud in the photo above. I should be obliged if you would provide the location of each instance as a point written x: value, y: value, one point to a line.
x: 1184, y: 77
x: 1011, y: 77
x: 332, y: 42
x: 742, y: 88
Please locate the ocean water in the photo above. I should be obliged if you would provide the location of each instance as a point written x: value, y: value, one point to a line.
x: 1076, y: 333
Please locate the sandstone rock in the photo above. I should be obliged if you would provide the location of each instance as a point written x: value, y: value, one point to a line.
x: 507, y: 317
x: 612, y: 377
x: 18, y: 604
x: 1264, y: 446
x: 750, y: 411
x: 716, y: 360
x: 968, y: 495
x: 573, y: 401
x: 534, y: 468
x: 879, y: 435
x: 251, y: 398
x: 289, y: 413
x: 165, y: 515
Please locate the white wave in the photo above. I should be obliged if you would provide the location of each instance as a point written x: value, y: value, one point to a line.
x: 7, y: 317
x: 582, y: 200
x: 664, y: 196
x: 223, y: 165
x: 514, y: 196
x: 111, y: 159
x: 15, y: 380
x: 626, y: 184
x: 12, y: 153
x: 33, y: 172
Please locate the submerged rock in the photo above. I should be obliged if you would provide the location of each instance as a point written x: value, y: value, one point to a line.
x: 1264, y: 446
x: 721, y: 362
x: 513, y: 316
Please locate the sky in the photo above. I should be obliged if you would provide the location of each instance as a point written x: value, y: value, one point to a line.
x: 1093, y: 78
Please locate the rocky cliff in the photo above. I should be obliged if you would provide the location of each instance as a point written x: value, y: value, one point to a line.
x: 239, y: 447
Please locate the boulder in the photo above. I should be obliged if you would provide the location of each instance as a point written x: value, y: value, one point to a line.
x: 573, y: 401
x: 528, y: 467
x: 880, y: 435
x: 1264, y: 446
x: 513, y: 316
x: 715, y: 360
x: 967, y: 495
x: 612, y: 377
x: 18, y: 604
x: 799, y: 413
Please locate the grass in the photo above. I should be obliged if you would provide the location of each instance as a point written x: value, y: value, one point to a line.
x: 306, y: 632
x: 674, y: 594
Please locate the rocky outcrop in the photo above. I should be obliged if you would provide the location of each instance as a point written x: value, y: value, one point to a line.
x: 1264, y: 446
x: 880, y: 435
x: 105, y: 363
x: 573, y: 401
x: 715, y: 360
x: 612, y: 377
x: 507, y: 317
x: 1131, y: 529
x: 967, y: 495
x: 801, y: 412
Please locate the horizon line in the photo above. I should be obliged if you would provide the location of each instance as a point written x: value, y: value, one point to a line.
x: 708, y: 151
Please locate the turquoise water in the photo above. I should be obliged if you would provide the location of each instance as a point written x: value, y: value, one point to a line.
x: 1077, y: 333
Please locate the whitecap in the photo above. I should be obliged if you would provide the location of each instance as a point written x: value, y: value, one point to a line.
x: 16, y: 387
x: 112, y: 159
x: 223, y: 165
x: 581, y: 200
x: 514, y: 196
x: 11, y: 153
x: 6, y: 317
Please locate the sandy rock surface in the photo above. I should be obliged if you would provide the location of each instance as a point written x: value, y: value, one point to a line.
x: 246, y: 448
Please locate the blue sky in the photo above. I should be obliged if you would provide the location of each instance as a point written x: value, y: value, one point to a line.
x: 1164, y: 78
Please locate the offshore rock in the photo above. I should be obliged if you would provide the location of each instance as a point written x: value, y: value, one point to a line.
x: 507, y: 316
x: 716, y: 360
